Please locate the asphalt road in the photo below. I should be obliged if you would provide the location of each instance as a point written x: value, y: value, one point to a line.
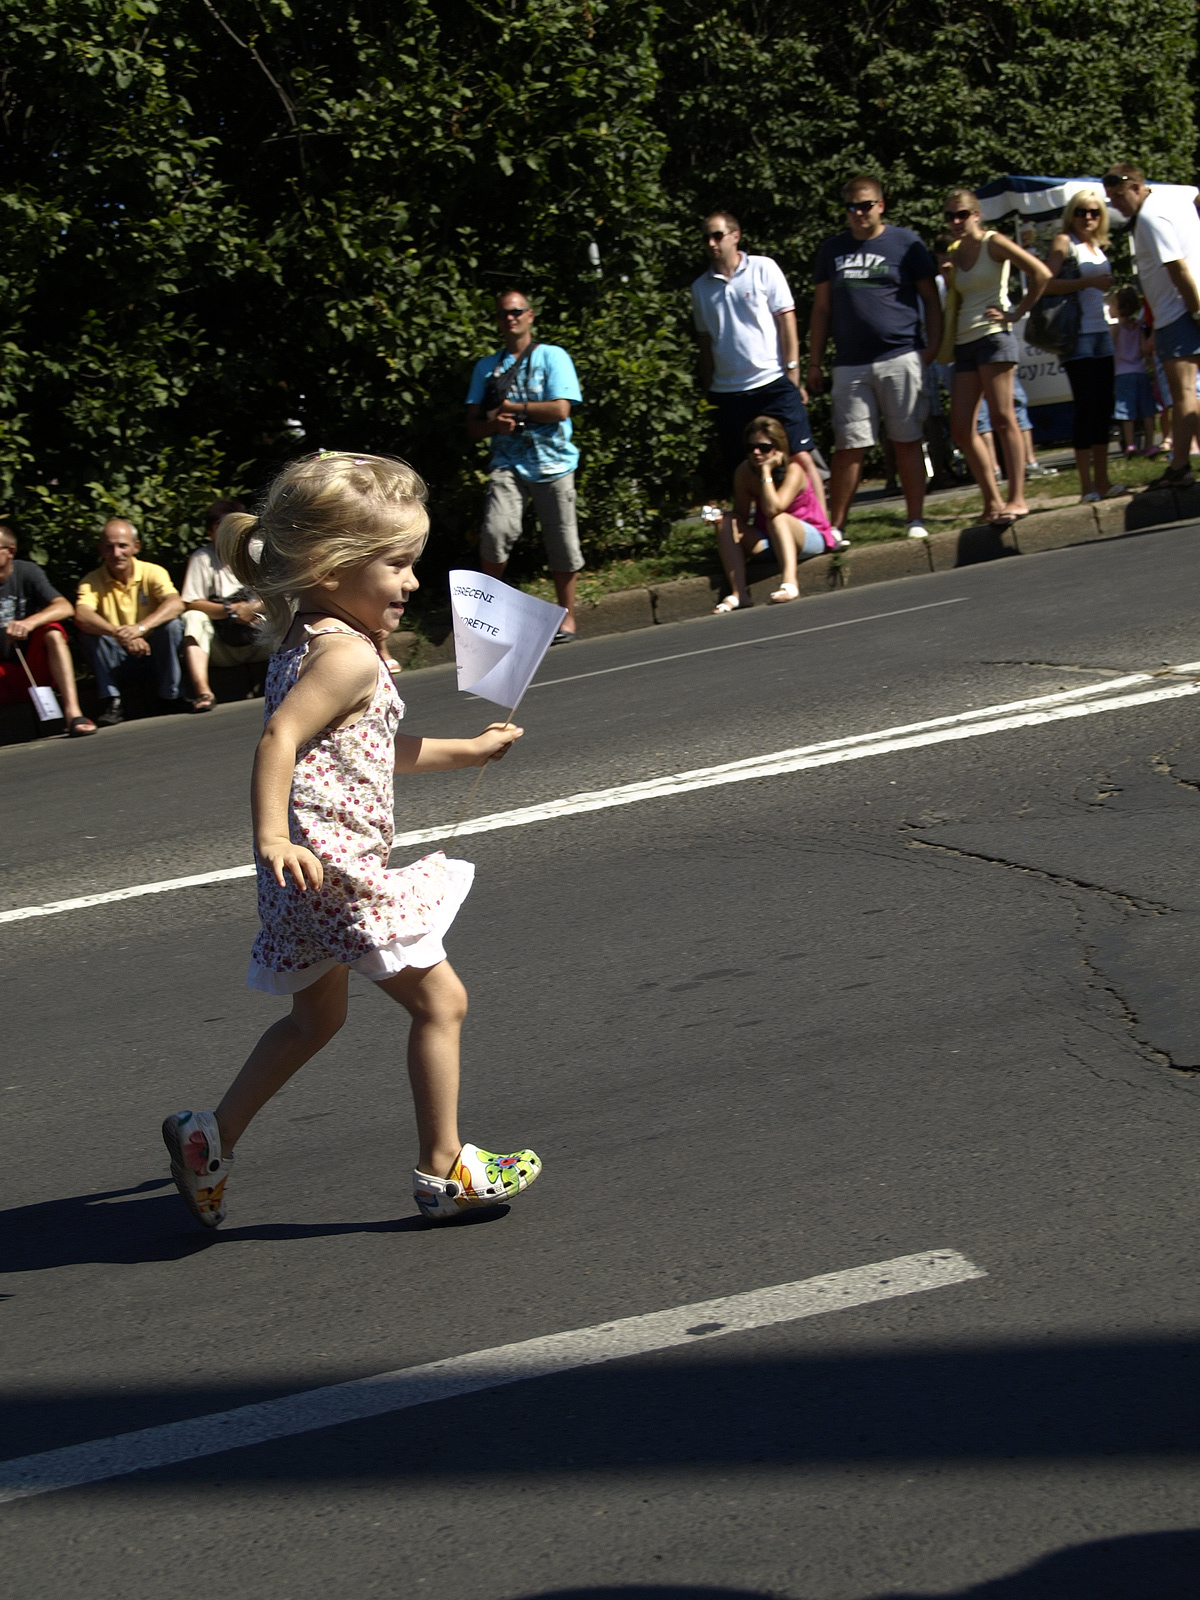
x: 939, y: 998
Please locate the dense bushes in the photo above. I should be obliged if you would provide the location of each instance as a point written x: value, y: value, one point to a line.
x: 239, y: 228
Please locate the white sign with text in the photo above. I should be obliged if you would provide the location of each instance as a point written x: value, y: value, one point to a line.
x: 501, y: 635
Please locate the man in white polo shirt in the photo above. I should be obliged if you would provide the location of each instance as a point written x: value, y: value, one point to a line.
x: 749, y: 347
x: 1166, y: 243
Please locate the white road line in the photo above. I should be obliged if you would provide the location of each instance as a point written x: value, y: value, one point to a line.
x: 1087, y: 701
x: 385, y: 1392
x: 739, y: 644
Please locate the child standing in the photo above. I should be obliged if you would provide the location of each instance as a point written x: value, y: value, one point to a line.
x: 331, y: 555
x: 1135, y: 396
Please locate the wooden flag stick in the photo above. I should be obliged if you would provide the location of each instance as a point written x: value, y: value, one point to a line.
x: 21, y: 658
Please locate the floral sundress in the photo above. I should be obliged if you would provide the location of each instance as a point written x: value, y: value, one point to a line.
x: 366, y: 915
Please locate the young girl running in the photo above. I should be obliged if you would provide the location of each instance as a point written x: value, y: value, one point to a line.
x: 331, y: 556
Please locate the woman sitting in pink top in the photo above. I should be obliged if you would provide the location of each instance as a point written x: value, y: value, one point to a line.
x: 787, y: 514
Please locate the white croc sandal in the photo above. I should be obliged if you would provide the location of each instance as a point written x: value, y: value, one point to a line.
x: 478, y: 1178
x: 198, y: 1164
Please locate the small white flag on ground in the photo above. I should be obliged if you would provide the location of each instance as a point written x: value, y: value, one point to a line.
x: 500, y: 636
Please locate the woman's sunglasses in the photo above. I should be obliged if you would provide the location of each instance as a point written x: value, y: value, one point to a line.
x: 757, y: 445
x: 957, y: 216
x: 1086, y: 211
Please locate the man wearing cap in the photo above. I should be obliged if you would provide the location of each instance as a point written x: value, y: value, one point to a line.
x: 127, y: 612
x: 1166, y: 244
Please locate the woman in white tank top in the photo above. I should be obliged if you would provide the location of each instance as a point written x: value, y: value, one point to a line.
x: 985, y: 350
x: 1090, y: 368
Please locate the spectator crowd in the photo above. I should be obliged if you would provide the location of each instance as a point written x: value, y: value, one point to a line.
x: 914, y: 333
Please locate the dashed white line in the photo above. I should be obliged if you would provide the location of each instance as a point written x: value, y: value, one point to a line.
x: 172, y: 1442
x: 1087, y: 701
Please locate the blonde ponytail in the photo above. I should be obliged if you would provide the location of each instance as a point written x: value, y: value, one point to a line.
x: 325, y: 512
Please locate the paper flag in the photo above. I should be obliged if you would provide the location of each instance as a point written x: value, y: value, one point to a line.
x: 500, y: 636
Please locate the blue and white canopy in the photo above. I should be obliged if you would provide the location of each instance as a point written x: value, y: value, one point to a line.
x: 1037, y: 199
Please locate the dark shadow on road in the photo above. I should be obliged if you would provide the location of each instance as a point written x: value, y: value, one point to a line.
x: 1141, y: 1566
x: 128, y: 1226
x: 983, y: 542
x: 708, y: 1406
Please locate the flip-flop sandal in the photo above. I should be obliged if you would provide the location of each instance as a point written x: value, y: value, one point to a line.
x: 204, y: 702
x: 784, y: 593
x: 198, y: 1164
x: 730, y: 603
x: 80, y: 727
x: 478, y: 1178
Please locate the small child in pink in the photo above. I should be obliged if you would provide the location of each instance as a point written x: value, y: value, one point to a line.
x: 331, y: 556
x: 1134, y: 392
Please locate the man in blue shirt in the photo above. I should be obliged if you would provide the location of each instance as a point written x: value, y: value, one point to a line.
x: 520, y: 398
x: 876, y: 293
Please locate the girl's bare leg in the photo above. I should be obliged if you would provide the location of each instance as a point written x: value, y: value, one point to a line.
x: 784, y: 532
x: 964, y: 410
x: 437, y: 1002
x: 733, y: 559
x: 997, y: 380
x: 317, y: 1014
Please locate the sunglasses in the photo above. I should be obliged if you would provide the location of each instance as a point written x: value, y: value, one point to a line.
x: 1086, y: 211
x: 1114, y: 178
x: 861, y: 206
x: 513, y: 311
x: 757, y: 445
x: 957, y: 216
x: 718, y: 234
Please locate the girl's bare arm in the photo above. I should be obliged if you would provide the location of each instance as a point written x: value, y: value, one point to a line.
x: 1037, y: 274
x: 444, y: 755
x: 775, y: 500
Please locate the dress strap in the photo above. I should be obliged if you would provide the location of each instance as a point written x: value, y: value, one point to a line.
x: 350, y: 633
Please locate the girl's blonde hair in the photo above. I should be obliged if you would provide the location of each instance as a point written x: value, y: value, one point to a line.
x: 327, y: 511
x: 1094, y: 197
x: 968, y: 195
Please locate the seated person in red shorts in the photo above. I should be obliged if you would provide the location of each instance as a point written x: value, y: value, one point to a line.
x: 31, y: 616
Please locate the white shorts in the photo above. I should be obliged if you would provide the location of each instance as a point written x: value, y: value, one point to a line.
x: 892, y: 391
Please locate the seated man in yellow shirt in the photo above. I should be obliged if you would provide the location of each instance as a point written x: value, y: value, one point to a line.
x: 127, y: 612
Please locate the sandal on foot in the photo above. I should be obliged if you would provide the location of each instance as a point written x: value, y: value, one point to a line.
x: 80, y: 727
x: 784, y: 593
x: 204, y: 702
x: 730, y: 603
x: 198, y: 1164
x: 478, y: 1178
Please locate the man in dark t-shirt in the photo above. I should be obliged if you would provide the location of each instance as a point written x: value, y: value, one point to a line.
x: 876, y: 293
x: 31, y: 616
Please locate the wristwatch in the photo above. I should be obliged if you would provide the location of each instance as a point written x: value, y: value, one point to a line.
x: 790, y: 366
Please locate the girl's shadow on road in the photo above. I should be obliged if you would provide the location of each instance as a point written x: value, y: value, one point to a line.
x: 128, y: 1226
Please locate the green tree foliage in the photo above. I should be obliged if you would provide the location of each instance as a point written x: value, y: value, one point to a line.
x: 237, y: 229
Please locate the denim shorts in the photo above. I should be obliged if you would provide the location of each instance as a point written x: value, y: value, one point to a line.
x: 1092, y: 346
x: 1135, y: 398
x: 992, y: 349
x: 1178, y: 340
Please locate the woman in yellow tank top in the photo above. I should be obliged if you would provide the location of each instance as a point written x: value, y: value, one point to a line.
x: 985, y: 350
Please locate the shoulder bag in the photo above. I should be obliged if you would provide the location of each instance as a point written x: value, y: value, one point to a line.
x: 1053, y: 324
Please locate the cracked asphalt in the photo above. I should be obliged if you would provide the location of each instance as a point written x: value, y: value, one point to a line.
x: 941, y: 997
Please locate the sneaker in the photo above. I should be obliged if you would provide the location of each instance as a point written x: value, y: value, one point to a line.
x: 1088, y: 498
x: 112, y: 713
x: 479, y: 1178
x: 917, y: 529
x: 1173, y: 478
x: 198, y: 1165
x: 1035, y: 469
x: 840, y: 541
